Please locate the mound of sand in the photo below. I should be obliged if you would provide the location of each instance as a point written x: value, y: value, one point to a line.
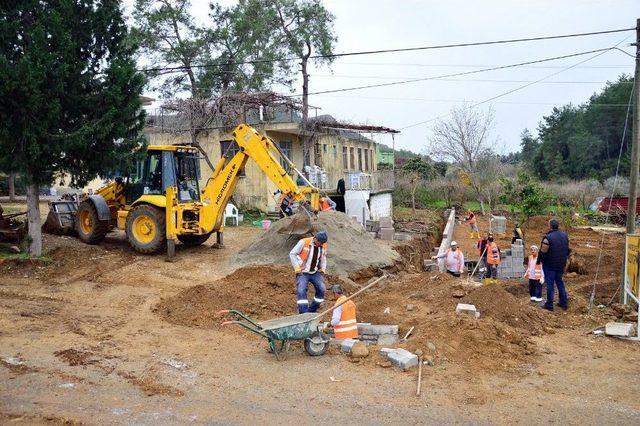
x: 351, y: 248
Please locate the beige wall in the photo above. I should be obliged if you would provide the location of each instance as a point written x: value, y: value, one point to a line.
x: 334, y: 164
x: 255, y: 190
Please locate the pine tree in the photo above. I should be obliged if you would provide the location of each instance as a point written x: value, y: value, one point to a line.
x: 69, y: 94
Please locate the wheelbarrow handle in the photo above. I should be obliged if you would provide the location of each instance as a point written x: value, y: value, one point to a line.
x: 239, y: 314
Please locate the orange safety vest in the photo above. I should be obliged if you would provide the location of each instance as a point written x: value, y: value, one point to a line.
x: 471, y: 219
x: 493, y: 254
x: 304, y: 254
x: 324, y: 205
x: 347, y: 328
x: 537, y: 268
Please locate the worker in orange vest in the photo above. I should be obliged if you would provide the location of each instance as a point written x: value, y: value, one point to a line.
x: 343, y: 321
x: 472, y: 221
x: 309, y: 261
x: 535, y: 274
x: 493, y: 260
x: 327, y: 204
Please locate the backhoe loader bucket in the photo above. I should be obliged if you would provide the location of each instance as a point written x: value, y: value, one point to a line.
x: 61, y: 217
x: 299, y: 224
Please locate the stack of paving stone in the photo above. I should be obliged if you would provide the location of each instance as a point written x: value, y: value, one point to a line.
x: 512, y: 265
x: 386, y: 231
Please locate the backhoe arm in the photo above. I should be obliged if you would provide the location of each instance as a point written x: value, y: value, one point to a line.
x: 263, y: 151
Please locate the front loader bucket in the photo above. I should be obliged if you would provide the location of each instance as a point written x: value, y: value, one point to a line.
x: 299, y: 224
x: 61, y: 217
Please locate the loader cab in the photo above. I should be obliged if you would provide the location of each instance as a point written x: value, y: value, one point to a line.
x: 162, y: 168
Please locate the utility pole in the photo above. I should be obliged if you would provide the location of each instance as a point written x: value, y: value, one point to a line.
x: 635, y: 141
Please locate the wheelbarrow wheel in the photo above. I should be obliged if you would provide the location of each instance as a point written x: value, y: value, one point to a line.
x: 316, y: 345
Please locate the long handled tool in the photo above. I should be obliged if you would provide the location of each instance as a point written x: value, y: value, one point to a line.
x: 419, y: 389
x: 368, y: 286
x: 477, y: 264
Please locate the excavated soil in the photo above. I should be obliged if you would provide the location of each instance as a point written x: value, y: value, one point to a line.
x: 263, y: 292
x: 351, y: 248
x: 423, y: 300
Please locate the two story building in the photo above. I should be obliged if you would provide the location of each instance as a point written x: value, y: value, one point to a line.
x: 341, y: 152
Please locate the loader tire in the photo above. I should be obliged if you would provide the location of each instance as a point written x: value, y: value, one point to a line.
x: 146, y: 229
x: 193, y: 240
x: 89, y: 227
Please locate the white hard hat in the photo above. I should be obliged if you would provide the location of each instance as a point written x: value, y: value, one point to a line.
x: 534, y: 247
x: 453, y: 243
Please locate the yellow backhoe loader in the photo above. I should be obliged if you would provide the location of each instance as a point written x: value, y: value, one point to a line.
x: 162, y: 201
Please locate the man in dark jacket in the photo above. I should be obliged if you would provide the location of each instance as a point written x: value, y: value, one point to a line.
x: 554, y: 252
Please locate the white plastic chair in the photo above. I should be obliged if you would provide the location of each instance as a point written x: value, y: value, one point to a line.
x: 231, y: 211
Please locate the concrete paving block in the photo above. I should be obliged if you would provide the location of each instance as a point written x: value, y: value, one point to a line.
x: 386, y: 222
x: 466, y: 309
x: 347, y: 344
x: 385, y: 351
x: 403, y: 358
x: 387, y: 234
x: 372, y: 337
x: 621, y: 329
x: 373, y: 329
x: 373, y: 234
x: 387, y: 339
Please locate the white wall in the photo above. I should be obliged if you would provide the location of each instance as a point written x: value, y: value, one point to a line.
x: 381, y: 205
x: 355, y: 203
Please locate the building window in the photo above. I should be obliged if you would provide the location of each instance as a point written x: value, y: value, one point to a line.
x: 366, y: 160
x: 335, y: 151
x: 324, y: 148
x: 229, y: 149
x: 371, y: 159
x: 287, y: 149
x: 360, y: 159
x: 352, y: 158
x: 345, y: 160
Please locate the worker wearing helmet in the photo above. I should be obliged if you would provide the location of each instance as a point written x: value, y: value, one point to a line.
x: 309, y: 261
x: 343, y: 320
x: 453, y: 259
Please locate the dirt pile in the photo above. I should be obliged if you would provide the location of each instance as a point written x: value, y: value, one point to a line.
x: 501, y: 338
x: 263, y: 292
x: 351, y: 248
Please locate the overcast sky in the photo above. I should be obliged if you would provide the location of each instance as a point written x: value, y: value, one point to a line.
x: 387, y: 24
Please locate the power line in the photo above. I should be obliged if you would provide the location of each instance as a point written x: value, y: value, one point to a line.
x: 461, y: 101
x: 403, y: 64
x: 508, y: 92
x: 380, y: 51
x: 458, y: 74
x: 460, y: 80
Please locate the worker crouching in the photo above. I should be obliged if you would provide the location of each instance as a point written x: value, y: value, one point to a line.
x: 343, y: 321
x: 309, y: 260
x: 453, y: 259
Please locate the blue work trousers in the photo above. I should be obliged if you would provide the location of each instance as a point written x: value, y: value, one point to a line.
x: 302, y: 283
x: 552, y: 277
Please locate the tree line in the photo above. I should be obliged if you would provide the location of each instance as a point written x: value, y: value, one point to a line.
x: 583, y: 141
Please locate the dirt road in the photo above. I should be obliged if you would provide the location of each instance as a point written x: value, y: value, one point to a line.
x: 79, y: 342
